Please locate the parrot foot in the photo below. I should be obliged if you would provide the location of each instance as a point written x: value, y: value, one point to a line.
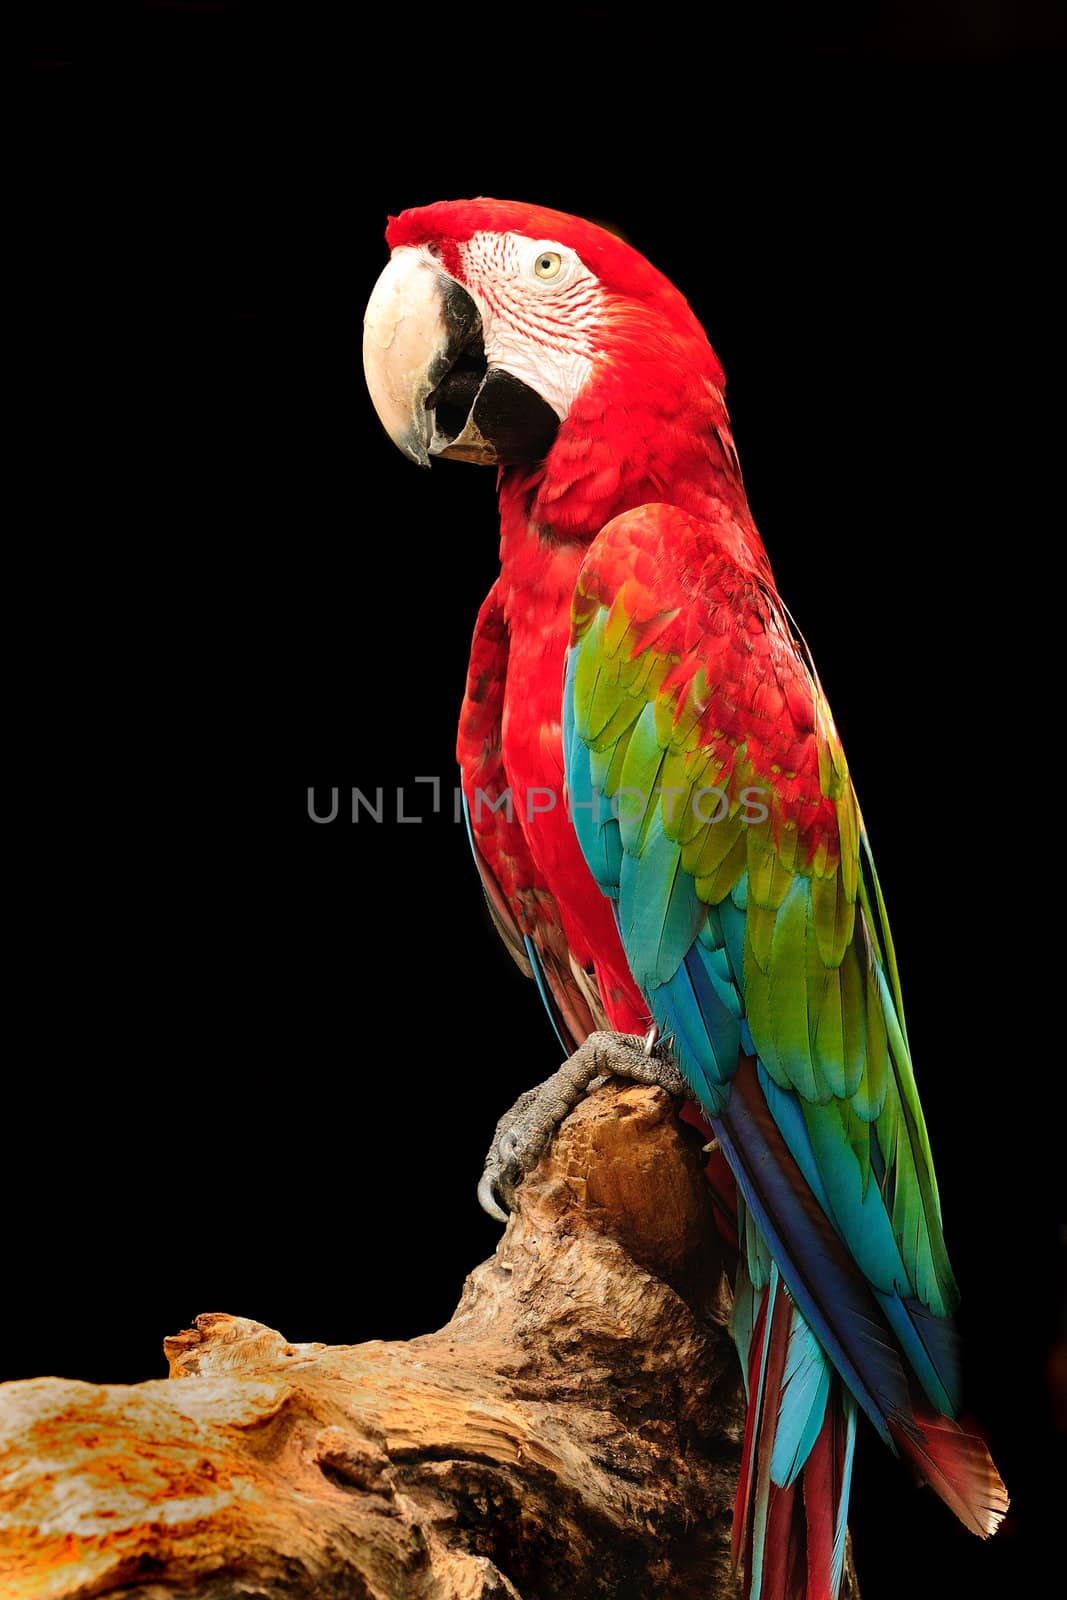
x: 523, y: 1132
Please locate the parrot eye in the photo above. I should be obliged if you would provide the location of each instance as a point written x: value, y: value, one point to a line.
x: 548, y: 264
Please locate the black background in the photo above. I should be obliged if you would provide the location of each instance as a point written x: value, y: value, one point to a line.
x: 264, y: 1056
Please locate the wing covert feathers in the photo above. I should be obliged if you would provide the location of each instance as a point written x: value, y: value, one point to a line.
x: 711, y: 796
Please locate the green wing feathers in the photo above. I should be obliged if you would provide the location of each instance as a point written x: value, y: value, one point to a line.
x: 714, y: 803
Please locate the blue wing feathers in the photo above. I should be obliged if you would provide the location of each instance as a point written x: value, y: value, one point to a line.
x: 543, y: 990
x: 660, y: 911
x: 805, y: 1122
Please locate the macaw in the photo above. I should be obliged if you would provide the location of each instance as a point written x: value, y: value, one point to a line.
x: 670, y: 841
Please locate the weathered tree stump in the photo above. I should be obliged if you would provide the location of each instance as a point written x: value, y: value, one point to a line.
x: 574, y: 1430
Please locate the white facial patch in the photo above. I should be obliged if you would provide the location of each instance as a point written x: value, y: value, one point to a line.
x: 540, y: 309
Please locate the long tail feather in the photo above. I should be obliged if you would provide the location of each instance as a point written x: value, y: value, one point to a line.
x: 827, y: 1479
x: 956, y: 1465
x: 819, y: 1505
x: 846, y: 1411
x: 792, y: 1496
x: 851, y: 1324
x: 835, y: 1299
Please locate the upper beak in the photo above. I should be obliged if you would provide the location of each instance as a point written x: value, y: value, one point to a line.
x: 428, y: 378
x: 417, y: 323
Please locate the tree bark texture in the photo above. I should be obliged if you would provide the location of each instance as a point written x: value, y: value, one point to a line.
x: 574, y: 1431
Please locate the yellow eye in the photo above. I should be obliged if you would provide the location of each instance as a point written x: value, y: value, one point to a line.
x: 548, y: 264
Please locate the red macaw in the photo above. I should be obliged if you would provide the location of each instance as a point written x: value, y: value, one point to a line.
x: 668, y: 834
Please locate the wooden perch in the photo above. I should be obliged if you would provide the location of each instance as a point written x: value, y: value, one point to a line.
x: 573, y: 1431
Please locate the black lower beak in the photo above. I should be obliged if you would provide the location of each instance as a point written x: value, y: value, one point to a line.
x: 501, y: 420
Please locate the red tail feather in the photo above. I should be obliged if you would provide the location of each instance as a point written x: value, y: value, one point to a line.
x: 787, y: 1532
x: 783, y: 1550
x: 778, y: 1502
x: 956, y: 1465
x: 822, y: 1483
x: 742, y: 1503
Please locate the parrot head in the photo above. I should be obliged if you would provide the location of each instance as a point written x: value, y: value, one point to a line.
x: 493, y: 320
